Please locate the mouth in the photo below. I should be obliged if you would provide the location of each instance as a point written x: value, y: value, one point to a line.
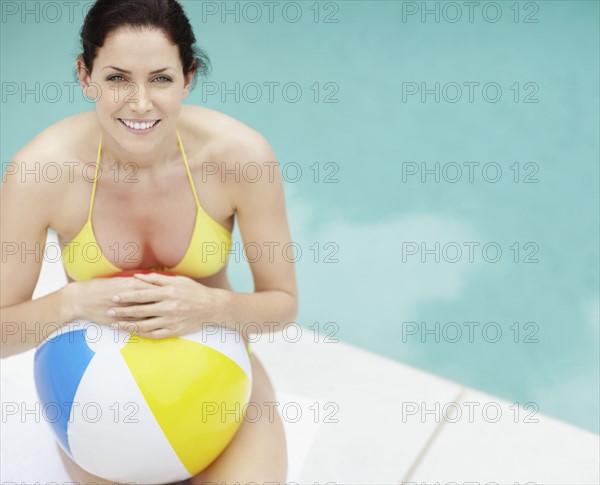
x: 137, y: 127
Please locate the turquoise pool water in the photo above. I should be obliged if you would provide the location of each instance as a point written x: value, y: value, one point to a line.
x: 505, y: 160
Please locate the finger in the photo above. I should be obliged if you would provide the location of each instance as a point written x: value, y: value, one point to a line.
x: 133, y: 282
x: 157, y: 334
x: 149, y: 295
x: 156, y: 278
x: 131, y: 327
x: 154, y: 328
x: 142, y: 326
x: 135, y: 311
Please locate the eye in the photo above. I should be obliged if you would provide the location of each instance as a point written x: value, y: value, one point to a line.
x: 114, y: 79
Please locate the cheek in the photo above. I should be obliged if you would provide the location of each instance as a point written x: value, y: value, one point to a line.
x: 108, y: 100
x: 168, y: 100
x: 167, y: 107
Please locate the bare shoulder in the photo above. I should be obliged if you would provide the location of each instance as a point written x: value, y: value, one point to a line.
x: 230, y: 139
x: 45, y: 166
x: 53, y: 137
x: 57, y: 144
x: 239, y: 152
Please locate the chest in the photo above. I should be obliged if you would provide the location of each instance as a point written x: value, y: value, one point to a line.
x: 146, y: 223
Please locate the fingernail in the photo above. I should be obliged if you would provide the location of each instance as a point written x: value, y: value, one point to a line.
x: 111, y: 313
x: 116, y: 298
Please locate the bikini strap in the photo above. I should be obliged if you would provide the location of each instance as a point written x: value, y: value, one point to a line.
x: 188, y: 172
x: 95, y: 179
x: 187, y: 168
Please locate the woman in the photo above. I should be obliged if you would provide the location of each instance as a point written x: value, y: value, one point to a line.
x: 152, y: 206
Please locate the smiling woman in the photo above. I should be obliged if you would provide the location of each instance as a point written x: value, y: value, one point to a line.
x: 139, y: 62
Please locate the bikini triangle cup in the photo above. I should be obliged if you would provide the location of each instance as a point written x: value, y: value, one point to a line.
x: 206, y: 254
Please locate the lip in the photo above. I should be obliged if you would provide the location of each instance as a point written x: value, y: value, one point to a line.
x: 139, y: 132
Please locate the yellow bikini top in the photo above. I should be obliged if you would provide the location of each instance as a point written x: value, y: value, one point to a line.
x: 206, y: 254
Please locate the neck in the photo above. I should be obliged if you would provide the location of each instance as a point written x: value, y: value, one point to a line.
x: 157, y: 156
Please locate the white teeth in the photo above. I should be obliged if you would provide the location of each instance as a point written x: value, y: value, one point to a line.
x: 140, y: 126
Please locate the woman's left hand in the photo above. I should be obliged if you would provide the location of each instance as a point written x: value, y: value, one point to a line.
x: 177, y: 306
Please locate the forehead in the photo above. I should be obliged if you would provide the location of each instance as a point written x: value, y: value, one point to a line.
x: 135, y: 49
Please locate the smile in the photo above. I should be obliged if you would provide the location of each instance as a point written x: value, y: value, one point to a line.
x: 139, y: 127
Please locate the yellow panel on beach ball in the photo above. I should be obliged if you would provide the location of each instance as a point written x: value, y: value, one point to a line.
x: 196, y: 393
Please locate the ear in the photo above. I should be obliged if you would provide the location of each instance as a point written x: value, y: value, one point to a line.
x: 188, y: 82
x: 82, y: 73
x: 85, y: 80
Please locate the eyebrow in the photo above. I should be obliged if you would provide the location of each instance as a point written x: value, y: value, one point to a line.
x: 129, y: 72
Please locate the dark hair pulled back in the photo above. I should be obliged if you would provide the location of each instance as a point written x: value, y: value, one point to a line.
x: 106, y: 16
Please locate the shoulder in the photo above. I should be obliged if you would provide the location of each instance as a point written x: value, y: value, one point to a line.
x: 229, y: 139
x: 56, y: 144
x: 239, y: 155
x: 42, y: 169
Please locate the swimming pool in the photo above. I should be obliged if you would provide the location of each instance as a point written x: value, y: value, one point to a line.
x: 441, y: 177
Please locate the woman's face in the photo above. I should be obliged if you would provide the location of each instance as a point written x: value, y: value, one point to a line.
x: 150, y: 92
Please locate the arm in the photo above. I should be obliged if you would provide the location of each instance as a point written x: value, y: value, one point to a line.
x: 262, y: 219
x: 270, y: 310
x: 25, y: 325
x: 24, y: 220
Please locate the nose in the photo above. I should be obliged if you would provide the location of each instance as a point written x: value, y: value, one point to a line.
x: 140, y: 100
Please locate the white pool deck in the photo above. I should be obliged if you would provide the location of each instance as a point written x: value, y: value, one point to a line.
x: 365, y: 419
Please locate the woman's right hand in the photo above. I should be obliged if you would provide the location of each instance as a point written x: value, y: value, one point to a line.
x: 91, y: 299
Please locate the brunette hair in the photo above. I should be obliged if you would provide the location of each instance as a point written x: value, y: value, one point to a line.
x: 106, y: 16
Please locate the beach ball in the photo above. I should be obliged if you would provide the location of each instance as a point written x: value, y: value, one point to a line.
x: 131, y: 409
